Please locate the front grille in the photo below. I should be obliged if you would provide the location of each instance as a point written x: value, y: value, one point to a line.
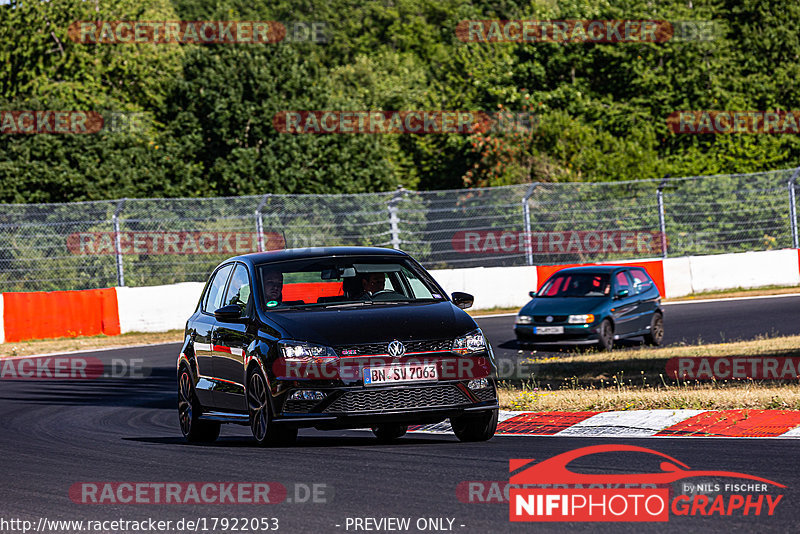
x: 369, y: 349
x: 485, y: 394
x: 556, y: 319
x: 398, y: 399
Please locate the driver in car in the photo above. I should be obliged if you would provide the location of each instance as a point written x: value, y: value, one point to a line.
x: 371, y: 283
x: 273, y: 287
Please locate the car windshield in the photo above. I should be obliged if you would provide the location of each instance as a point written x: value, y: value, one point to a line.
x: 577, y: 285
x: 343, y: 282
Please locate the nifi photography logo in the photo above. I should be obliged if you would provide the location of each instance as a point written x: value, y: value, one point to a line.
x: 550, y: 491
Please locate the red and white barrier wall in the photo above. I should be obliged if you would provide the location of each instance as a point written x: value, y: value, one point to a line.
x: 113, y: 311
x: 157, y: 308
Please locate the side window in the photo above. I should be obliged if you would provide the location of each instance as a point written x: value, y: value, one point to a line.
x: 622, y: 282
x: 213, y: 298
x: 641, y: 282
x: 239, y: 289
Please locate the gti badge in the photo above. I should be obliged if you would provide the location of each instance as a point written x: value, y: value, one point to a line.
x: 549, y: 318
x: 396, y: 349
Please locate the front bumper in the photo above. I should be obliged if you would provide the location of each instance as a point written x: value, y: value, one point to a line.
x: 572, y: 333
x: 357, y: 407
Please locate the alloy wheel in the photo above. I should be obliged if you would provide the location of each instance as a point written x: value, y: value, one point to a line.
x: 257, y: 403
x: 185, y: 396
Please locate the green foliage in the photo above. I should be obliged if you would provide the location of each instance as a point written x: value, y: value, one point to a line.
x: 601, y: 108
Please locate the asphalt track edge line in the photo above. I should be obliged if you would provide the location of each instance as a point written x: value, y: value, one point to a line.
x: 87, y: 351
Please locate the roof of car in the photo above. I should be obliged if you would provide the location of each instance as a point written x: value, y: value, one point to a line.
x: 596, y: 268
x: 316, y: 252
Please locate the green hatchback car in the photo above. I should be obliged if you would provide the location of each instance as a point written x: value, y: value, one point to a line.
x: 597, y: 304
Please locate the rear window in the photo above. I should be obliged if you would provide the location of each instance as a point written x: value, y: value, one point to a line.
x: 577, y: 285
x: 342, y: 281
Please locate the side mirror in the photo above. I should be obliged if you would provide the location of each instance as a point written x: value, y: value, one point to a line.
x: 230, y: 313
x: 462, y: 300
x: 622, y: 293
x: 532, y: 294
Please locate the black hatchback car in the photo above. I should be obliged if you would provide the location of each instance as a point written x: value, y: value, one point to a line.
x: 332, y: 338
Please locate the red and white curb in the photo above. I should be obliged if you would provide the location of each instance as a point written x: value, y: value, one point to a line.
x: 643, y: 424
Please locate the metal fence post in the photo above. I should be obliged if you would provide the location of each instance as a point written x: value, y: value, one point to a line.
x: 662, y: 221
x: 526, y: 222
x: 792, y: 207
x: 118, y: 244
x: 394, y: 219
x: 260, y: 223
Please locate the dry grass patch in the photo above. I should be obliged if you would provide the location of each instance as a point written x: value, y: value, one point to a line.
x: 698, y: 397
x: 45, y: 346
x: 640, y: 366
x: 635, y: 379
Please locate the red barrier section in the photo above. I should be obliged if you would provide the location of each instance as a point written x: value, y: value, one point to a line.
x: 42, y: 315
x: 654, y: 268
x: 309, y: 292
x: 542, y: 423
x: 736, y: 424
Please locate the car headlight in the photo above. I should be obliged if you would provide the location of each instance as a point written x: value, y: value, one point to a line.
x: 581, y: 319
x: 524, y: 319
x: 303, y: 351
x: 469, y: 344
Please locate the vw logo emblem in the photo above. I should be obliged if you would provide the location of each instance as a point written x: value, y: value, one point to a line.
x: 396, y: 349
x: 549, y: 318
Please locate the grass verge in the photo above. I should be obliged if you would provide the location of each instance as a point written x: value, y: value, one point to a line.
x: 68, y: 344
x: 635, y: 379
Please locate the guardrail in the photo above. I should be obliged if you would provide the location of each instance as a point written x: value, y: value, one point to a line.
x: 112, y: 311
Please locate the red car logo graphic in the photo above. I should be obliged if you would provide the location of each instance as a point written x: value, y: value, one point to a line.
x: 554, y: 470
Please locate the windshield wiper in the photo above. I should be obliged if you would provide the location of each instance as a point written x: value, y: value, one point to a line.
x: 356, y: 304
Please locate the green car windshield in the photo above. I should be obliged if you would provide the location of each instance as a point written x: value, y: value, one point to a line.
x: 577, y: 285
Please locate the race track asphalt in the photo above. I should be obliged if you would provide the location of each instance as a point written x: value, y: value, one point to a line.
x: 58, y: 433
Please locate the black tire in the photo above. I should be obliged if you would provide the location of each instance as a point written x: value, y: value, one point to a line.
x: 389, y: 432
x: 656, y: 334
x: 605, y: 335
x: 189, y: 410
x: 265, y: 432
x: 475, y: 427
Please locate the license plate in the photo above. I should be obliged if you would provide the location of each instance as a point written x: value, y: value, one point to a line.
x: 548, y: 329
x: 394, y: 374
